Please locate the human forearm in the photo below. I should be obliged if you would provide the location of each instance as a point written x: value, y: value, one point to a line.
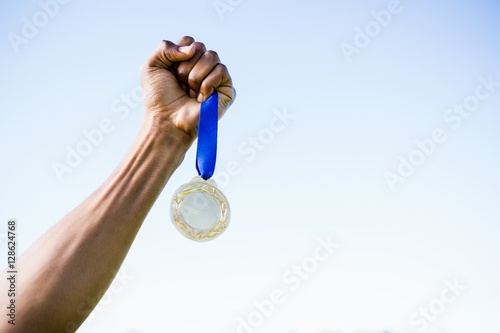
x: 79, y: 257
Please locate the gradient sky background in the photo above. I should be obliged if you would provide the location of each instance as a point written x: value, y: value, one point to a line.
x: 322, y: 175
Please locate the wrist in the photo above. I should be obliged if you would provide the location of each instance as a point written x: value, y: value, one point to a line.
x: 165, y: 132
x: 162, y: 145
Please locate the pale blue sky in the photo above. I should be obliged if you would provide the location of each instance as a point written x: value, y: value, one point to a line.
x: 321, y: 174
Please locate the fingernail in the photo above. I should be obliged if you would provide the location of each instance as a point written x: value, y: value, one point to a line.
x: 184, y: 49
x: 200, y: 98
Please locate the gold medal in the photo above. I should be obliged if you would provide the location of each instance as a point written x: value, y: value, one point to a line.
x: 200, y: 210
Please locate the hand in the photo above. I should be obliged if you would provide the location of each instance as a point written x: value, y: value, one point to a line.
x: 178, y: 77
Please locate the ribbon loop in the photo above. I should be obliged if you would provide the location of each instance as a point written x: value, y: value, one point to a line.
x: 206, y: 152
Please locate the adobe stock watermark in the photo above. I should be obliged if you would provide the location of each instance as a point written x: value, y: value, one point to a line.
x: 249, y: 149
x: 372, y: 29
x: 221, y: 7
x: 292, y: 278
x: 429, y: 313
x: 31, y: 26
x: 452, y: 117
x: 94, y: 137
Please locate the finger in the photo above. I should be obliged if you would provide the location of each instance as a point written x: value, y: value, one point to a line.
x: 184, y: 68
x: 185, y: 41
x: 220, y: 80
x: 168, y: 53
x: 201, y: 70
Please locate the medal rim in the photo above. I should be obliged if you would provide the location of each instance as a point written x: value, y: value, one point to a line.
x: 198, y: 184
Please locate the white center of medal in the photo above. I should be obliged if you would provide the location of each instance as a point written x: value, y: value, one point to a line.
x: 200, y: 210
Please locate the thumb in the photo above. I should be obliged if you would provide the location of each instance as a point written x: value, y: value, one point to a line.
x: 176, y: 53
x: 168, y: 53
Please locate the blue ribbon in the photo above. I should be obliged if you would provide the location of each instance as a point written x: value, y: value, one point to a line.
x: 206, y: 152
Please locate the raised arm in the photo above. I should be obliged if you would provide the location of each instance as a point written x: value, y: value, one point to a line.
x: 81, y: 254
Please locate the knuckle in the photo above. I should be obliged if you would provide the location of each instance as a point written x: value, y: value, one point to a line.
x: 212, y: 55
x: 182, y: 71
x: 187, y: 39
x: 166, y: 44
x: 199, y: 46
x: 222, y: 68
x: 193, y: 78
x: 168, y: 48
x: 205, y: 87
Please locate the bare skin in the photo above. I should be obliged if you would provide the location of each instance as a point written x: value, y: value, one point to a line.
x: 78, y: 257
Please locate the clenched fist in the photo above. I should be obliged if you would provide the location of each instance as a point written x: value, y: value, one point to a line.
x: 178, y: 77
